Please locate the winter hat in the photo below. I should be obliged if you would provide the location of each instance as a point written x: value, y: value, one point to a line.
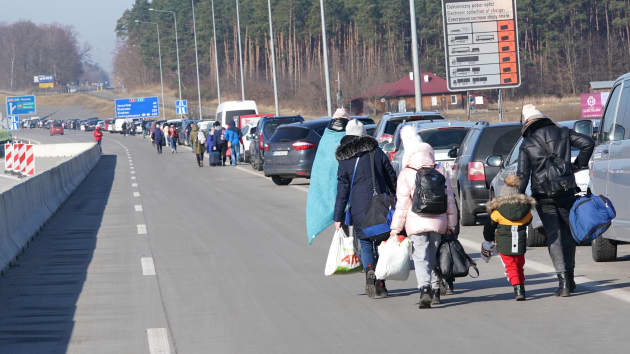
x: 356, y: 128
x: 413, y: 144
x: 512, y: 183
x: 341, y: 113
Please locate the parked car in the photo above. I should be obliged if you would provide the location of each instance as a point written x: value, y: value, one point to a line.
x: 535, y: 233
x: 386, y: 128
x: 370, y: 129
x: 471, y: 175
x: 292, y: 150
x: 184, y: 131
x: 441, y: 135
x: 227, y: 111
x: 205, y: 125
x: 56, y: 128
x: 265, y: 129
x: 610, y: 166
x: 248, y: 133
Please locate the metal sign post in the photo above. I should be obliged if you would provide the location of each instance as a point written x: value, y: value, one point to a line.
x: 481, y: 44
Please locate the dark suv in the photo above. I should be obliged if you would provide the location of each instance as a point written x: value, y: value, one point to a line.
x: 472, y: 175
x: 266, y: 128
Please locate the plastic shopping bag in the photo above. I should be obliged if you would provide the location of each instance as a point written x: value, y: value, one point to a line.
x: 341, y: 256
x: 393, y: 260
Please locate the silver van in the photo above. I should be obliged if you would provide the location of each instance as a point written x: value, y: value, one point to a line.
x: 610, y: 168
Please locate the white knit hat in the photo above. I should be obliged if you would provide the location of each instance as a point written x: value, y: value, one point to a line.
x: 530, y: 112
x: 341, y: 113
x: 355, y: 128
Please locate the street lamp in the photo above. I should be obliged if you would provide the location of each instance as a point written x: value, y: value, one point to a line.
x: 157, y: 28
x: 179, y: 76
x: 273, y: 61
x: 216, y: 54
x: 192, y: 2
x: 417, y: 79
x: 325, y: 45
x: 240, y: 51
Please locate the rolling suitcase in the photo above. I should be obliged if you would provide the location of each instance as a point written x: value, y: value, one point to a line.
x: 215, y: 158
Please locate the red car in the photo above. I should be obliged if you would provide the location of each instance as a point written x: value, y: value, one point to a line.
x: 56, y: 129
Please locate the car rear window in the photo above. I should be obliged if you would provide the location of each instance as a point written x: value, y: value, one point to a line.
x: 287, y: 134
x: 273, y: 124
x: 497, y: 141
x: 230, y: 115
x: 56, y: 125
x: 392, y: 124
x: 443, y: 139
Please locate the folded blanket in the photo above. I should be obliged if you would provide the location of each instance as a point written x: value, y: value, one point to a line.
x: 322, y: 192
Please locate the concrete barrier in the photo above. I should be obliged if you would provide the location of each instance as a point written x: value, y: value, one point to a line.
x: 27, y: 206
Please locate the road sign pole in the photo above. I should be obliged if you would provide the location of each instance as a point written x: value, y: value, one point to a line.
x: 500, y: 105
x: 240, y: 51
x: 417, y: 75
x: 273, y: 60
x: 196, y: 59
x: 161, y: 74
x: 216, y: 54
x: 326, y: 72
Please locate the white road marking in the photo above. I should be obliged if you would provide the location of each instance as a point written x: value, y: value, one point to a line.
x: 138, y: 207
x: 133, y: 177
x: 135, y: 185
x: 148, y: 268
x: 158, y: 341
x: 133, y: 172
x: 142, y: 229
x: 136, y: 194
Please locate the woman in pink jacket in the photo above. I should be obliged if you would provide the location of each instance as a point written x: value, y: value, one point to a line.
x: 424, y: 230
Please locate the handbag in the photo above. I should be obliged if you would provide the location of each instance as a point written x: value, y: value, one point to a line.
x: 348, y: 220
x: 380, y: 213
x: 453, y: 261
x: 342, y: 257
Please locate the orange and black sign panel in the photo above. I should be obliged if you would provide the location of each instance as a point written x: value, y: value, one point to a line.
x: 506, y: 36
x: 505, y: 47
x: 508, y: 68
x: 509, y: 79
x: 505, y: 25
x: 509, y: 57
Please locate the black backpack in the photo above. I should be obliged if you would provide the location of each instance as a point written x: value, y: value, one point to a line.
x: 559, y: 178
x: 430, y: 194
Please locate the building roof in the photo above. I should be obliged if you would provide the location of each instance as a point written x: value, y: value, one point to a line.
x: 601, y: 85
x: 431, y: 84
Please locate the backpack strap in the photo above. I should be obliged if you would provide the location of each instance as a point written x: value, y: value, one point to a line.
x: 352, y: 182
x: 373, y: 173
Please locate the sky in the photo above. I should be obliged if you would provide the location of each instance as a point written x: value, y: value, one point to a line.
x: 93, y: 20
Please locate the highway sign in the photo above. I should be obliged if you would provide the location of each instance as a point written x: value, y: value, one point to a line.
x: 14, y: 123
x: 141, y: 107
x: 181, y: 106
x: 20, y: 105
x: 43, y: 79
x: 481, y: 44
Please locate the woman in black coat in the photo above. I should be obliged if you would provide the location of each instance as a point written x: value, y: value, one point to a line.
x: 354, y: 151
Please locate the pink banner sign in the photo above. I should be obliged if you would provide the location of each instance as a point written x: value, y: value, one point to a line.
x: 593, y: 104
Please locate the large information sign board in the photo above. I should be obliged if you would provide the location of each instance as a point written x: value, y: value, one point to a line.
x: 481, y: 44
x: 141, y: 107
x: 20, y: 105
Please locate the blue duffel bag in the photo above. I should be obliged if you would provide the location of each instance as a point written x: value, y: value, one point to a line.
x: 590, y: 217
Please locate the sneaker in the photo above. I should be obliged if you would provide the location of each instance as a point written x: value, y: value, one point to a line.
x: 370, y: 284
x: 436, y: 297
x: 449, y: 287
x: 425, y: 298
x: 381, y: 290
x: 519, y: 292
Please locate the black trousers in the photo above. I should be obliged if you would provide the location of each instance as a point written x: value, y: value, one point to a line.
x: 222, y: 149
x: 159, y: 148
x: 554, y: 214
x: 199, y: 158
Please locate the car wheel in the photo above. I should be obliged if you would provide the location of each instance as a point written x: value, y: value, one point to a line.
x: 603, y: 250
x: 465, y: 217
x: 536, y: 237
x: 281, y: 181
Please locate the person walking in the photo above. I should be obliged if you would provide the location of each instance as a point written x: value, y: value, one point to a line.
x: 124, y: 128
x: 233, y: 138
x: 545, y: 159
x: 198, y: 140
x: 173, y: 135
x: 355, y: 189
x: 98, y: 137
x: 210, y: 148
x: 219, y: 141
x: 158, y: 138
x: 425, y: 229
x: 510, y: 214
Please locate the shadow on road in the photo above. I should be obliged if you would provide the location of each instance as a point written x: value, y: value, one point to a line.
x: 38, y: 296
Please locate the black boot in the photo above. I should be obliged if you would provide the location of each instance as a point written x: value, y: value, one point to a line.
x: 449, y: 286
x: 436, y: 297
x: 425, y: 298
x: 370, y: 283
x: 381, y: 290
x: 519, y: 292
x: 563, y: 287
x: 571, y: 281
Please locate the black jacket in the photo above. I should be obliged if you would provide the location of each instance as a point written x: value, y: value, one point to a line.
x: 349, y: 150
x: 559, y: 140
x: 505, y: 213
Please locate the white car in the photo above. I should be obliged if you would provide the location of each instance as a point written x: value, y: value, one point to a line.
x: 249, y: 136
x: 227, y: 111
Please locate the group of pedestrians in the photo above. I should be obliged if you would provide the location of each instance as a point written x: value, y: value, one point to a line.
x: 364, y: 171
x: 218, y: 142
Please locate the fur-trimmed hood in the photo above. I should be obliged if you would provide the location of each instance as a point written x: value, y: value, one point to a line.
x: 513, y: 206
x: 352, y: 146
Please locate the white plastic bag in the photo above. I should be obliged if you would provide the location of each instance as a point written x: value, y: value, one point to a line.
x: 393, y: 260
x: 341, y: 256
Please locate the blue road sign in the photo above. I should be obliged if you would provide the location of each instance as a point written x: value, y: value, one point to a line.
x: 181, y: 106
x: 141, y: 107
x: 14, y: 123
x: 20, y: 105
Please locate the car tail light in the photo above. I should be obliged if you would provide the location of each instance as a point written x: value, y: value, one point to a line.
x: 392, y: 155
x: 386, y: 138
x: 261, y: 142
x: 476, y: 171
x: 265, y: 147
x: 302, y: 173
x: 302, y: 145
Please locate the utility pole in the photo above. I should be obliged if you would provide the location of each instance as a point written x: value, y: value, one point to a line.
x: 273, y: 60
x: 500, y: 105
x: 325, y: 45
x: 157, y: 28
x: 216, y: 54
x: 240, y: 51
x: 179, y: 75
x: 417, y: 75
x: 196, y: 59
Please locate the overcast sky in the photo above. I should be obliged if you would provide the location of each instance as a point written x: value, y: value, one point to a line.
x: 93, y: 20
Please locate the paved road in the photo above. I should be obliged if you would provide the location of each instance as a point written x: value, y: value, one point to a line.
x: 233, y: 274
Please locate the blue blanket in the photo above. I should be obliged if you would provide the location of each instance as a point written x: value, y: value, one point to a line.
x: 322, y: 192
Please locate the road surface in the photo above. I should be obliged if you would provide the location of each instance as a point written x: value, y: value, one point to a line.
x: 153, y: 253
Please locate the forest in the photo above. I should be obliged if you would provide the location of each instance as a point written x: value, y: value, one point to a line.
x: 564, y: 44
x: 30, y: 49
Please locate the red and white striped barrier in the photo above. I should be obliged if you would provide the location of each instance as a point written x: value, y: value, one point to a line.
x: 29, y: 165
x: 8, y: 158
x: 23, y: 159
x: 16, y: 157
